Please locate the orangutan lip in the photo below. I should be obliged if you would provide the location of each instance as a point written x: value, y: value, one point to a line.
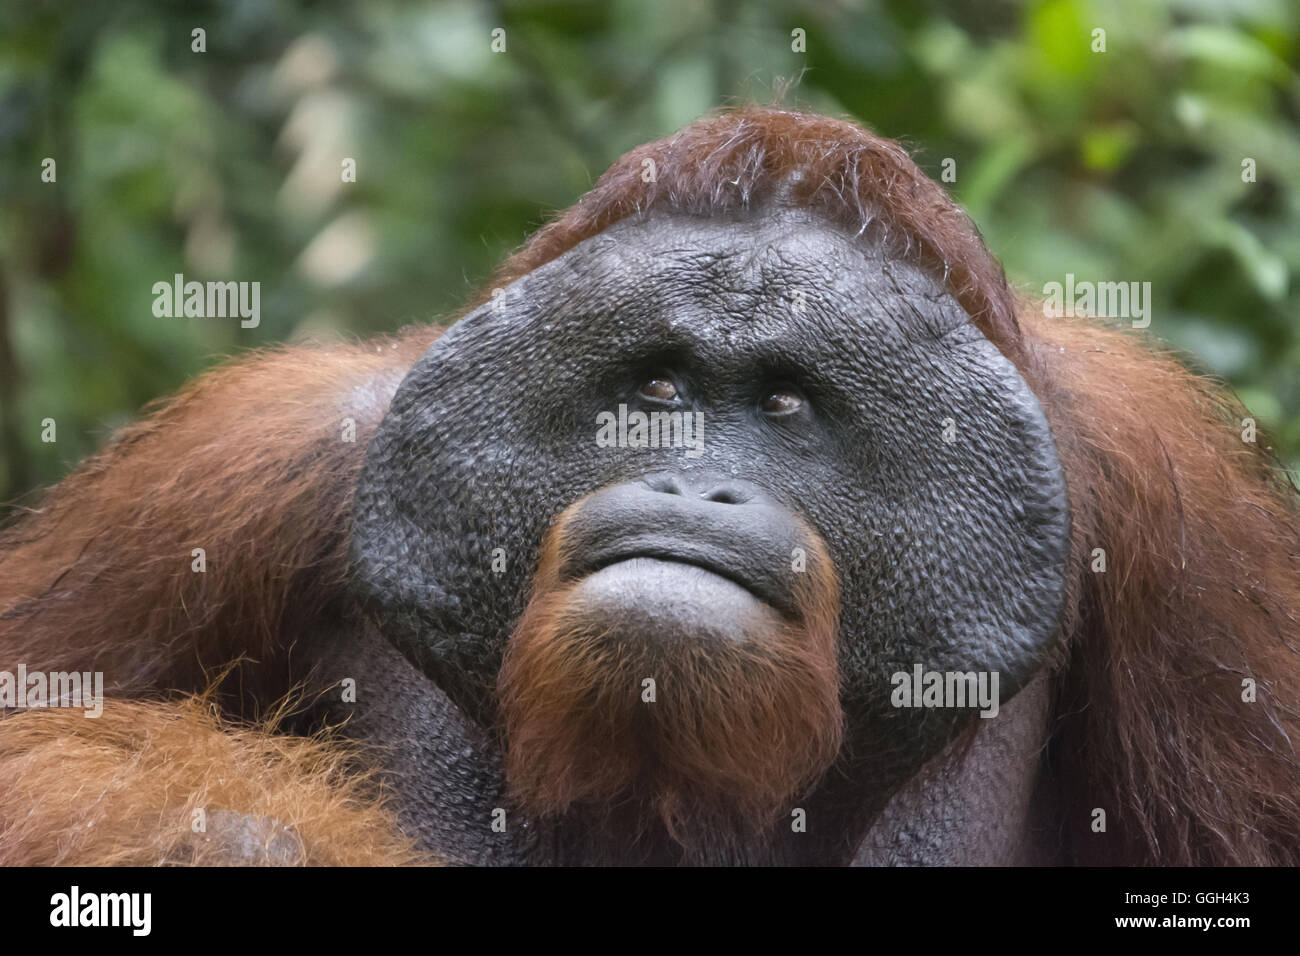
x: 693, y: 558
x: 748, y: 543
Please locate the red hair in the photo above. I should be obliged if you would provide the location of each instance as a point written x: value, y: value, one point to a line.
x: 740, y: 728
x: 748, y: 157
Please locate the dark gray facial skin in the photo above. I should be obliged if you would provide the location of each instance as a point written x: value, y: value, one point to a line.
x: 919, y: 455
x: 649, y: 555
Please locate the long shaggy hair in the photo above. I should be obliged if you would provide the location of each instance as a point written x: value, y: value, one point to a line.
x: 172, y: 784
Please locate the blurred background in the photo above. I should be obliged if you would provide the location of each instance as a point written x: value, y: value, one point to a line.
x: 225, y: 164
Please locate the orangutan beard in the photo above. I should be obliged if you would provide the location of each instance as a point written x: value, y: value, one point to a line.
x: 729, y: 733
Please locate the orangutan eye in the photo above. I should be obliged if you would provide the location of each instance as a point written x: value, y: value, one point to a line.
x: 660, y: 389
x: 781, y: 402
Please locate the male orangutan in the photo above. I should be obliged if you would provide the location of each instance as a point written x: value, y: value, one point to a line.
x: 669, y: 551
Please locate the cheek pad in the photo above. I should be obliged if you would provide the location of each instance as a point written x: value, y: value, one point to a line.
x: 464, y: 463
x: 959, y: 517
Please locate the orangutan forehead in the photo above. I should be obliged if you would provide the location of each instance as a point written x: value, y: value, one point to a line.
x: 775, y: 262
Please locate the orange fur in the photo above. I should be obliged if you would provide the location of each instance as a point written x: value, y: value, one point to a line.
x: 738, y: 728
x: 248, y: 463
x: 122, y: 790
x: 1202, y: 590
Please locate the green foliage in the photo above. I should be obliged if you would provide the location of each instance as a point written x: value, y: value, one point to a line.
x: 1118, y: 165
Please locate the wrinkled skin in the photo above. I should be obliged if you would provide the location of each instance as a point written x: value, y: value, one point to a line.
x: 947, y: 553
